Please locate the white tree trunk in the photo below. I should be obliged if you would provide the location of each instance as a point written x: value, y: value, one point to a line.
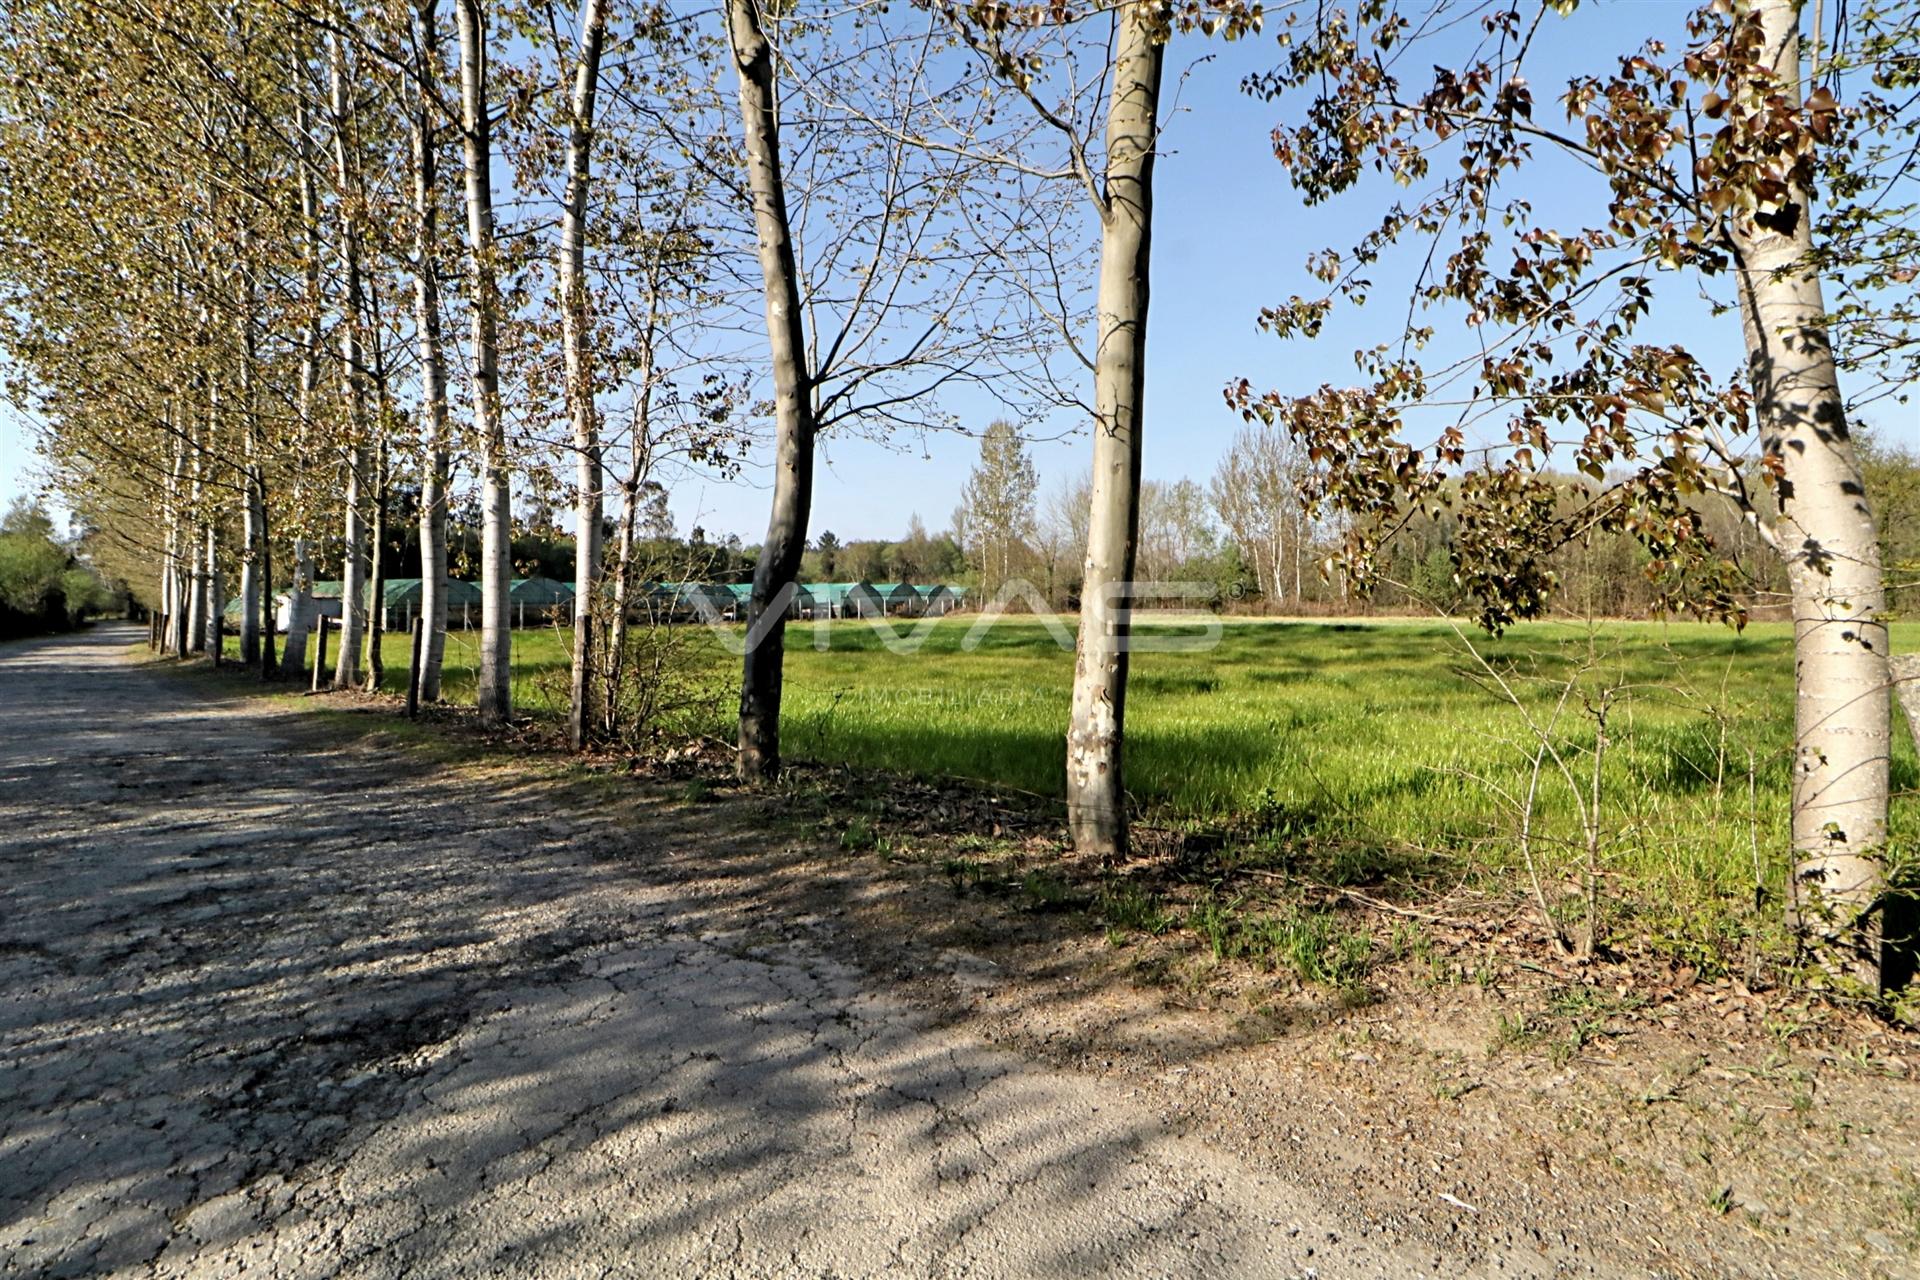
x: 1299, y: 542
x: 379, y: 482
x: 577, y: 340
x: 793, y: 398
x: 301, y: 613
x: 616, y: 646
x: 433, y: 367
x: 353, y: 574
x: 253, y: 523
x: 353, y: 569
x: 174, y: 577
x: 253, y: 508
x: 256, y: 576
x: 376, y: 570
x: 494, y: 694
x: 1096, y: 793
x: 1826, y: 531
x: 256, y: 566
x: 196, y: 610
x: 215, y: 598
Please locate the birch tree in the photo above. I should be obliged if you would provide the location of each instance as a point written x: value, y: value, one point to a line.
x: 1710, y: 162
x: 1824, y: 529
x: 1257, y: 492
x: 1032, y: 48
x: 350, y: 200
x: 423, y: 132
x: 577, y: 340
x: 494, y: 692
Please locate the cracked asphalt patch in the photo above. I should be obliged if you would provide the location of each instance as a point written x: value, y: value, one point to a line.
x: 277, y: 1006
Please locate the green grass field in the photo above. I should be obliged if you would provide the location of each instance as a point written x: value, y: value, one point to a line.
x: 1378, y: 748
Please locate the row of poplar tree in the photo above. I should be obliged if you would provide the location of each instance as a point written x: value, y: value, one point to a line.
x: 261, y: 257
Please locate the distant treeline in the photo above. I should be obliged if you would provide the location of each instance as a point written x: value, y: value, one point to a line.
x: 1184, y: 538
x: 1606, y: 574
x: 541, y: 549
x: 1273, y: 556
x: 44, y: 586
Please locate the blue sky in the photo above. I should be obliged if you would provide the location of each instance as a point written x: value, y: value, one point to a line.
x: 1230, y: 236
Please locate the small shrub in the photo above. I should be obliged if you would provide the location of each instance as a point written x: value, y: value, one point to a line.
x: 1517, y: 1031
x: 964, y: 872
x: 1129, y: 907
x: 1316, y: 945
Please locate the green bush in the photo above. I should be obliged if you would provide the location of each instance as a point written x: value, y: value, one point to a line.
x: 43, y: 588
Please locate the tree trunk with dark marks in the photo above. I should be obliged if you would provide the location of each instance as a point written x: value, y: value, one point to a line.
x: 353, y: 569
x: 300, y: 606
x: 794, y: 424
x: 433, y: 367
x: 376, y: 571
x: 216, y: 597
x: 1827, y: 533
x: 1096, y: 790
x: 195, y: 540
x: 494, y: 687
x: 175, y: 578
x: 577, y: 338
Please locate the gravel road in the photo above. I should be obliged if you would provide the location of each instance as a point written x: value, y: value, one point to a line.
x: 270, y: 1004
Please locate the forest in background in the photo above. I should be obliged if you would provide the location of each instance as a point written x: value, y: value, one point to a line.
x: 46, y: 584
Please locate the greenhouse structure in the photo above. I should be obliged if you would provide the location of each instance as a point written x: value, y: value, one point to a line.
x: 846, y: 599
x: 542, y: 599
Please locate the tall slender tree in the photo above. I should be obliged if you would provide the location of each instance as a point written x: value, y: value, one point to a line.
x: 577, y: 339
x: 436, y: 464
x: 494, y: 687
x: 301, y: 610
x: 1096, y: 790
x: 996, y: 505
x: 1116, y: 180
x: 350, y: 201
x: 794, y: 420
x: 911, y: 278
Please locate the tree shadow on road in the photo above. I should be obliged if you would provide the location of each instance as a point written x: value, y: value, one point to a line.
x: 274, y: 997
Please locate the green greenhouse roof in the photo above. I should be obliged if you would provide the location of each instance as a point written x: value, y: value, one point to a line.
x: 540, y: 591
x: 403, y: 591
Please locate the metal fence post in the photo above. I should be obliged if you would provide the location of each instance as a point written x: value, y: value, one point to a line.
x: 320, y: 652
x: 413, y: 668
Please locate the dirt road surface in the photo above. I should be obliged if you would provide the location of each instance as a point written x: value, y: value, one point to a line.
x: 274, y: 1006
